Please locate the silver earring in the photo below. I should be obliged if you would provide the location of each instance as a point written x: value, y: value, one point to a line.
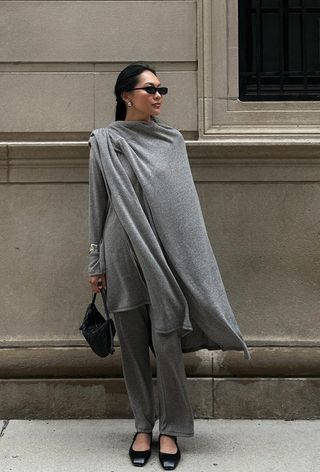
x: 129, y: 104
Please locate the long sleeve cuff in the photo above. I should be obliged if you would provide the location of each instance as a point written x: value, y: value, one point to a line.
x: 96, y: 264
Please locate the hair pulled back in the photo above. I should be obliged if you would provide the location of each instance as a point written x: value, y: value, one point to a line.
x: 126, y: 81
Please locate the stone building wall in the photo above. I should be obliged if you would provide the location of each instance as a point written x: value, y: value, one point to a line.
x: 256, y: 169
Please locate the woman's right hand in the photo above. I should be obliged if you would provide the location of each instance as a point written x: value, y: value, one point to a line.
x: 97, y: 282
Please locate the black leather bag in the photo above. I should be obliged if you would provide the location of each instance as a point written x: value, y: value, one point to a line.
x: 97, y: 330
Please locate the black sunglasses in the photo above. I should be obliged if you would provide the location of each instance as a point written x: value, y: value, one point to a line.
x: 151, y: 89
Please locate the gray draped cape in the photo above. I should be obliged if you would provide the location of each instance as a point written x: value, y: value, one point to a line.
x: 166, y: 233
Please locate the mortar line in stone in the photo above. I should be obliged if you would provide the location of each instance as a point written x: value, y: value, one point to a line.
x: 94, y: 94
x: 7, y: 162
x: 212, y: 384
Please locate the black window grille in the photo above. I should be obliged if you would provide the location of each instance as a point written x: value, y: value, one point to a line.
x: 279, y: 50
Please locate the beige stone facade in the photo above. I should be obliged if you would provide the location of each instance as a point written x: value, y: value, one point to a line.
x: 256, y: 169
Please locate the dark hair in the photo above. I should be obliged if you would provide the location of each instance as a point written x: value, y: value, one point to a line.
x: 126, y: 81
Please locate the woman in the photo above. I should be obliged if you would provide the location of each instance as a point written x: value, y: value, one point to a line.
x: 149, y: 247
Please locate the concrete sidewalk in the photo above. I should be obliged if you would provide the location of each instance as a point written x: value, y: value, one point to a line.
x: 102, y: 446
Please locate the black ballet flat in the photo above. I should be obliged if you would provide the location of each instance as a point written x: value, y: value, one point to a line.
x: 169, y: 461
x: 139, y: 458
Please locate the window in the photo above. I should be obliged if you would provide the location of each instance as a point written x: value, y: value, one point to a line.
x: 279, y: 50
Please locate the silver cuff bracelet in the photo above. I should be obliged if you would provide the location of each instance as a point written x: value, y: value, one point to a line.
x: 93, y: 248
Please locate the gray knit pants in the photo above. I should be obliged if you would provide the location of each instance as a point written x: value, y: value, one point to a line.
x: 135, y: 330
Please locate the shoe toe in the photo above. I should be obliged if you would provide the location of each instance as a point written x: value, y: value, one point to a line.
x: 169, y: 464
x: 140, y: 461
x: 169, y: 461
x: 139, y: 458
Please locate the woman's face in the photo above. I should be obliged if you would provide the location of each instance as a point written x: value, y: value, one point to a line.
x: 144, y: 103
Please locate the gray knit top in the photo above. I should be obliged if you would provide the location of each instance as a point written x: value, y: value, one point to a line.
x: 148, y: 235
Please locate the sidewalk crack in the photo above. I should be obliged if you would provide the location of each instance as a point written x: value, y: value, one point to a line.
x: 5, y: 424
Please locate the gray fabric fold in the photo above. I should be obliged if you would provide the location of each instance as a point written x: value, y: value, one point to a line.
x: 167, y: 233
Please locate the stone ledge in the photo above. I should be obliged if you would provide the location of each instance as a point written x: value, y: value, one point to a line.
x: 80, y: 362
x: 3, y: 163
x: 84, y: 398
x: 211, y: 161
x: 286, y: 398
x: 261, y: 398
x: 48, y: 162
x: 281, y: 361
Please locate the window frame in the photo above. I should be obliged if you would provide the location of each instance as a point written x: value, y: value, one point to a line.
x: 221, y: 113
x: 281, y: 82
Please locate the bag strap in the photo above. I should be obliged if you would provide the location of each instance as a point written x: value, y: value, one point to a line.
x: 107, y: 315
x: 104, y: 299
